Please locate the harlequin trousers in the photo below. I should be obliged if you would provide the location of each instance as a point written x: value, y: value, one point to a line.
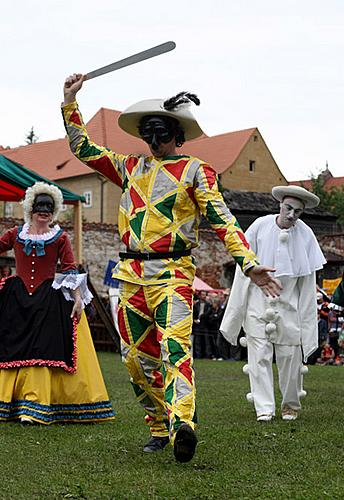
x: 155, y: 323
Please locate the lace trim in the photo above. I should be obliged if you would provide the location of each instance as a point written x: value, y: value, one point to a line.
x: 69, y: 282
x: 24, y: 233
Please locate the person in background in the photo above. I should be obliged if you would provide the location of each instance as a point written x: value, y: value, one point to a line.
x: 223, y: 347
x: 213, y: 323
x: 201, y: 310
x: 327, y: 355
x: 322, y: 314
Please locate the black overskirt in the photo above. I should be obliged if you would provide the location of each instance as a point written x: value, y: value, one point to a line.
x: 35, y: 329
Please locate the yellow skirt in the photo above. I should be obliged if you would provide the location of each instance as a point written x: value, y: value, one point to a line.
x: 50, y: 395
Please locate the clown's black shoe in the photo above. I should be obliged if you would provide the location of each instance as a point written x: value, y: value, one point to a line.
x: 155, y: 444
x: 185, y: 443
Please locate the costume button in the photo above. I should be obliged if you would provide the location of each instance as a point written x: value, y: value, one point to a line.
x: 30, y: 293
x: 32, y: 270
x: 33, y: 262
x: 33, y: 255
x: 32, y: 277
x: 31, y: 286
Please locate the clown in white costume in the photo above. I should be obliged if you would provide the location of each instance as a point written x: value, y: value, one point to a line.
x: 287, y: 324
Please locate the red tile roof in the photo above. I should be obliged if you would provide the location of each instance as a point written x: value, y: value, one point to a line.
x: 220, y: 151
x: 306, y: 183
x: 329, y: 183
x: 54, y: 160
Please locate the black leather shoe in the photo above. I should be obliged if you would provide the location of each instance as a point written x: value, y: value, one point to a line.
x: 185, y: 443
x: 156, y: 444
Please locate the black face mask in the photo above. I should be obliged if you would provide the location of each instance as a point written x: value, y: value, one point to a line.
x: 156, y: 130
x: 43, y: 203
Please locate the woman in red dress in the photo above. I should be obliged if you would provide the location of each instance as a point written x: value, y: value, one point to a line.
x: 49, y: 371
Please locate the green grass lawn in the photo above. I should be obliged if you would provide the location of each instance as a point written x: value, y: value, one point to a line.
x: 236, y: 456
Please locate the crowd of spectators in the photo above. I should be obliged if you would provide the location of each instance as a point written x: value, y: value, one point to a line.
x: 330, y: 334
x: 209, y: 343
x: 207, y: 340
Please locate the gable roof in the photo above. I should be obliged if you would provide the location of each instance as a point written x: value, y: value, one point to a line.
x: 220, y: 151
x: 332, y: 182
x: 327, y: 178
x: 54, y: 159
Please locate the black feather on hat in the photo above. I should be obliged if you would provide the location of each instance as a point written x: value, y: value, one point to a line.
x: 182, y: 98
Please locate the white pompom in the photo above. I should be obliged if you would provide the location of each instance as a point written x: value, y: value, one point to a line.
x: 283, y: 236
x: 270, y: 328
x: 304, y: 369
x: 270, y: 314
x: 273, y: 300
x: 246, y: 369
x: 243, y: 341
x: 249, y: 397
x: 302, y: 394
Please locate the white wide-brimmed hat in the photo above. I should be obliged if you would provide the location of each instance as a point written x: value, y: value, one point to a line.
x: 309, y: 199
x: 130, y: 119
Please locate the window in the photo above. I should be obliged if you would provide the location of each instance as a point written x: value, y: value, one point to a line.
x: 252, y: 165
x: 63, y: 207
x: 8, y: 212
x: 255, y: 138
x: 88, y: 197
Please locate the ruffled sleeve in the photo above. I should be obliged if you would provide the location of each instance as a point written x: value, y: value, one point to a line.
x: 67, y: 282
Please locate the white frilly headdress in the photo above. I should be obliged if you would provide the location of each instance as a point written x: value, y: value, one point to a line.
x: 41, y: 188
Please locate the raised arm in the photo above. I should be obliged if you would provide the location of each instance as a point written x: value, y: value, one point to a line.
x: 99, y: 158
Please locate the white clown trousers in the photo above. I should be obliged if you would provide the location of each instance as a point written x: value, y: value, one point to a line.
x: 289, y: 363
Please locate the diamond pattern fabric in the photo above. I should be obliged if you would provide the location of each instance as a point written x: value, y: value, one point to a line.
x: 161, y: 206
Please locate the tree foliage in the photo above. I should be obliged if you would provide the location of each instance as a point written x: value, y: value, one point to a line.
x: 330, y: 199
x: 31, y: 137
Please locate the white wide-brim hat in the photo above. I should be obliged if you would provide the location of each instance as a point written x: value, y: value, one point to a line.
x: 309, y: 199
x: 130, y: 119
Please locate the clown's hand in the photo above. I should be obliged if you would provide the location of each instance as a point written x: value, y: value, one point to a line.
x: 72, y: 86
x: 260, y: 276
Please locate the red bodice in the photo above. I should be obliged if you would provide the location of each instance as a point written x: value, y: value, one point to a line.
x: 34, y: 269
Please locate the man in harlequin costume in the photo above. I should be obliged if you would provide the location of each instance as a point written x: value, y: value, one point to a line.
x: 163, y: 196
x: 286, y: 325
x: 49, y: 371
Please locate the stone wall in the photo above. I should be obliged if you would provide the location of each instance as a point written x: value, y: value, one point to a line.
x: 215, y: 266
x: 101, y: 243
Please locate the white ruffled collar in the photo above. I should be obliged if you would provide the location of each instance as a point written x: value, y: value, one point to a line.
x: 24, y: 233
x: 292, y: 252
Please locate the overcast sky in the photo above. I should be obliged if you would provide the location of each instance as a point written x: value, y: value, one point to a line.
x: 269, y: 64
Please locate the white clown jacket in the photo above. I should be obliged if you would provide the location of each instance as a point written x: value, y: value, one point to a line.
x: 292, y: 318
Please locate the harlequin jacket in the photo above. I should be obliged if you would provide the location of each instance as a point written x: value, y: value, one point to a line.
x: 161, y: 206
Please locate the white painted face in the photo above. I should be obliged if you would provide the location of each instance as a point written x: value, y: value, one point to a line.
x: 290, y: 211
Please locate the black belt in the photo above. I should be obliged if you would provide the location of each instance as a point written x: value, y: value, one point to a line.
x: 154, y: 256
